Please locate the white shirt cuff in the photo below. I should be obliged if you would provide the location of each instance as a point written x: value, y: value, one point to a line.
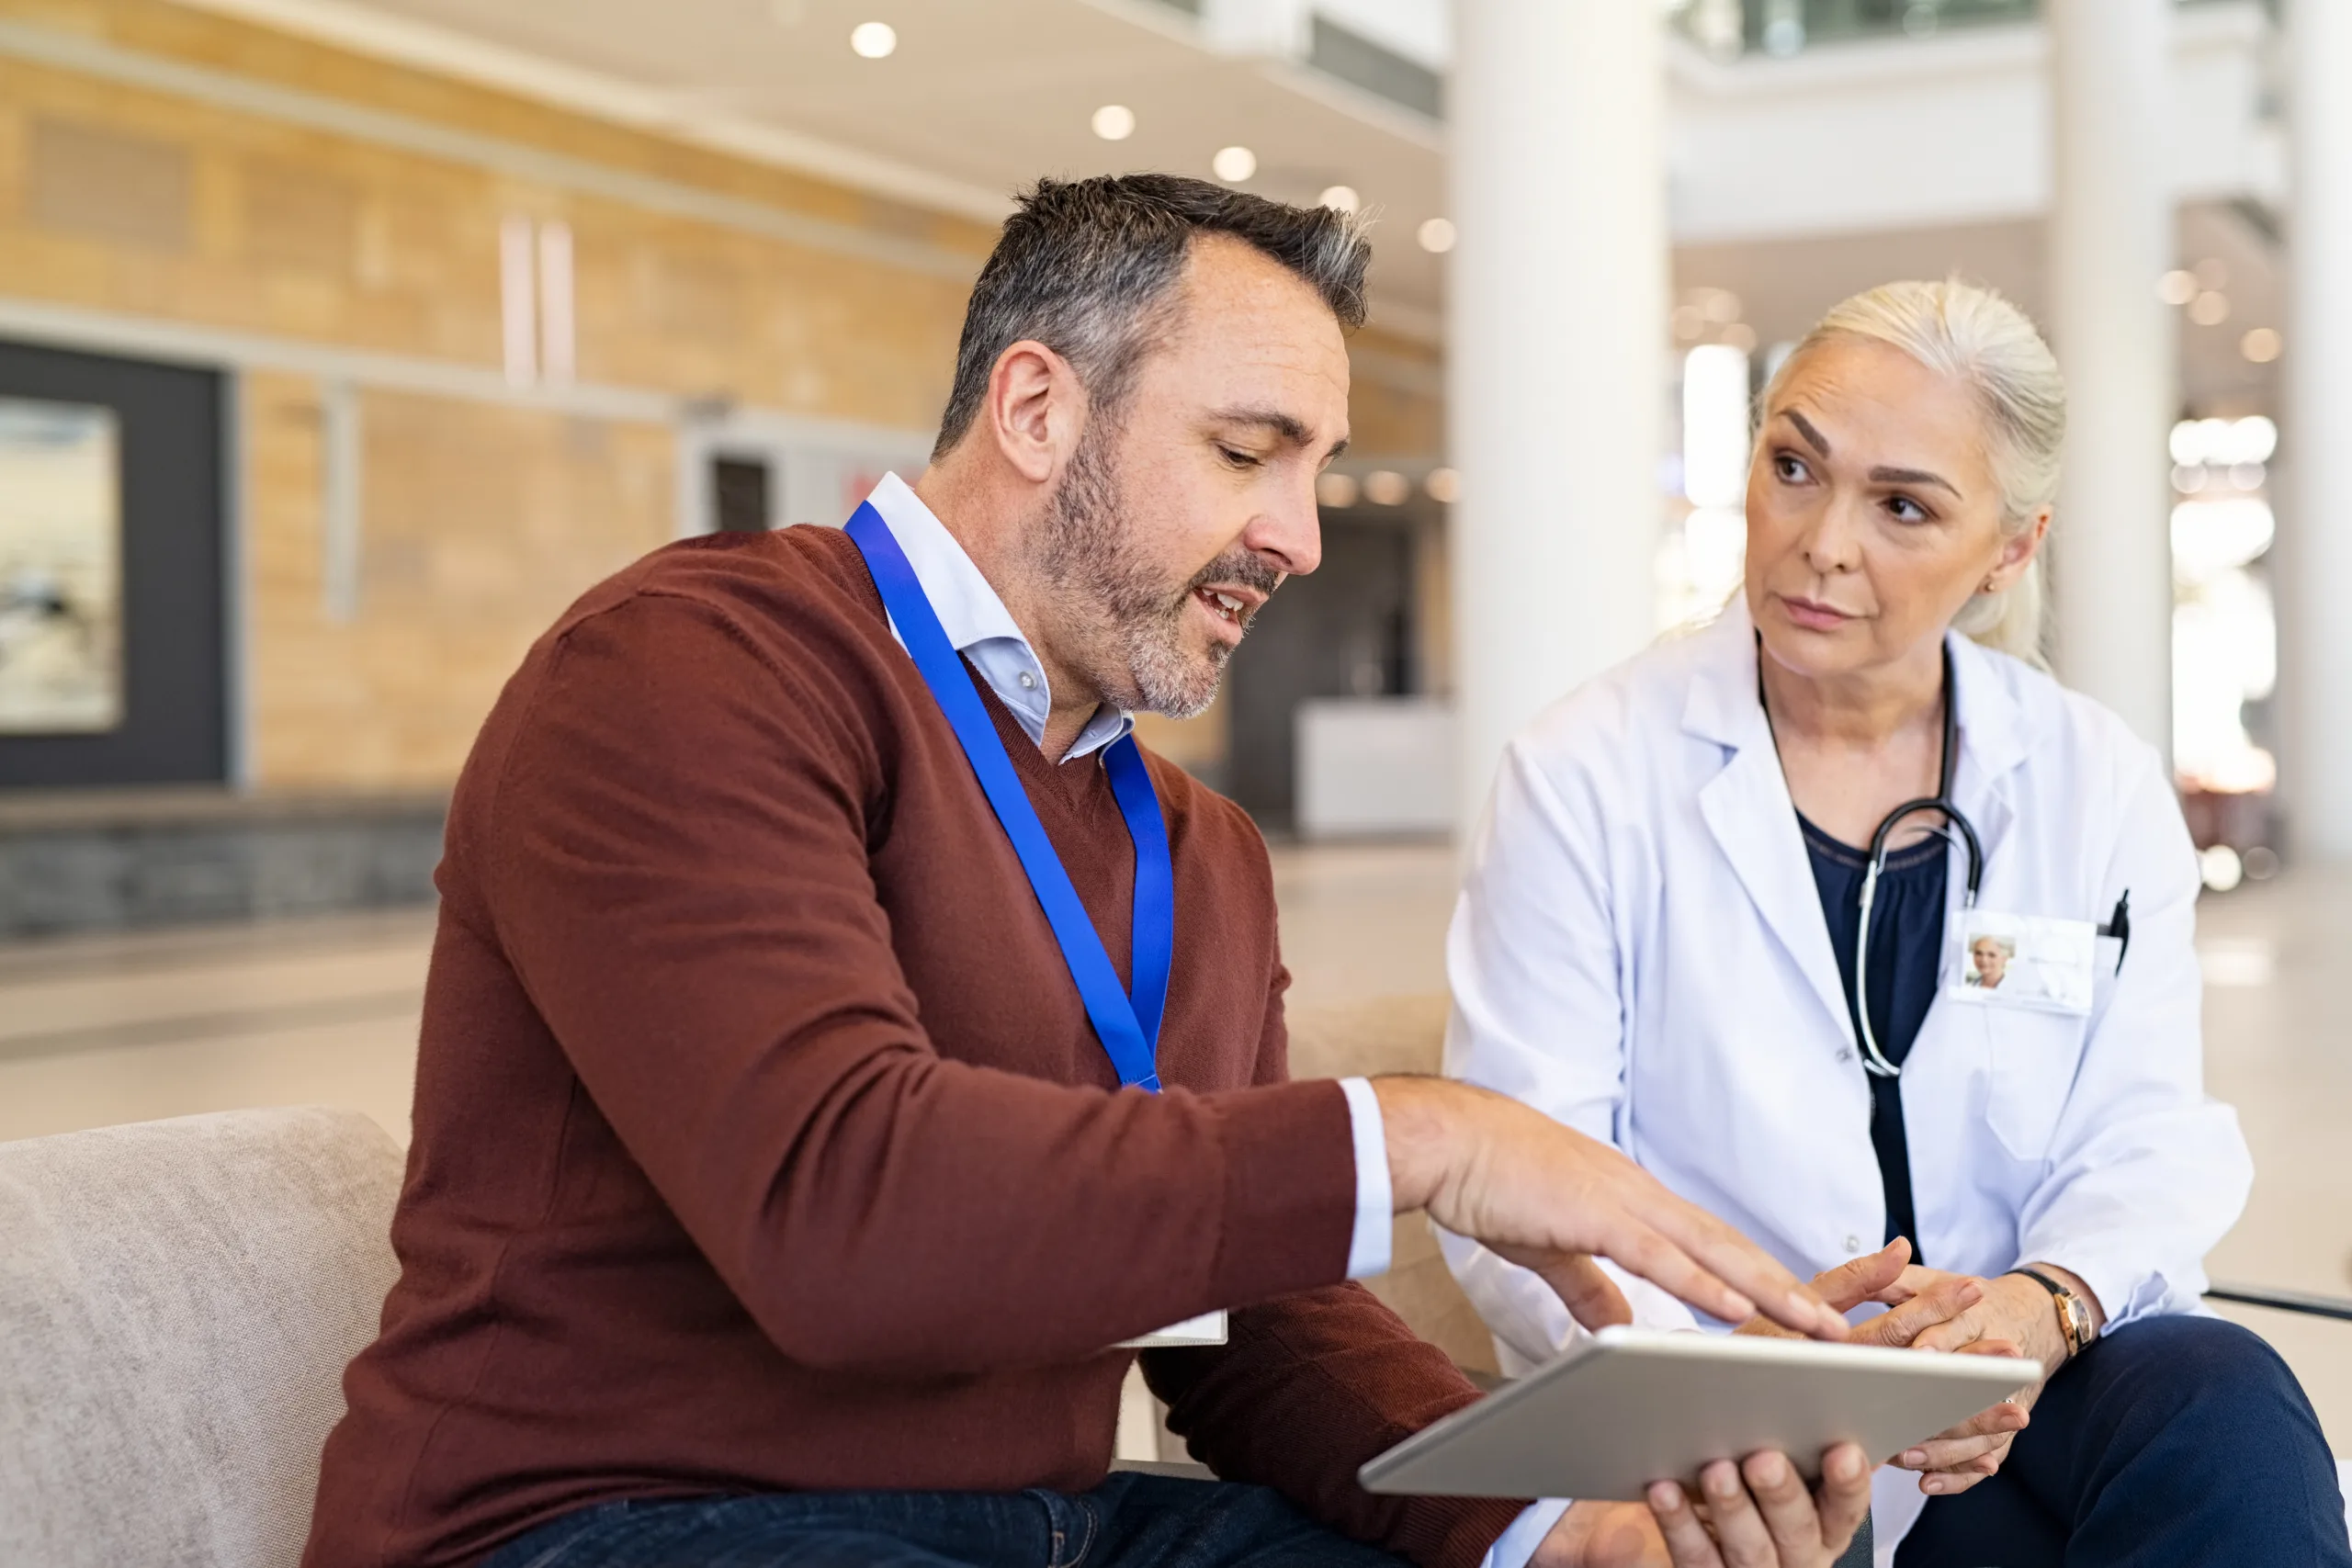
x: 1517, y: 1544
x: 1368, y: 1251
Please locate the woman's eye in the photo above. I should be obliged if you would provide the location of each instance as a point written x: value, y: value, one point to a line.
x: 1791, y: 470
x: 1905, y: 510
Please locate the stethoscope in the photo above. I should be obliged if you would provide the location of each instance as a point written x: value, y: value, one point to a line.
x: 1874, y: 1060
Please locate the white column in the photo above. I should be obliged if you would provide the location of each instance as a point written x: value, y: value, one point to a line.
x: 1556, y: 351
x: 2315, y: 580
x: 2111, y: 239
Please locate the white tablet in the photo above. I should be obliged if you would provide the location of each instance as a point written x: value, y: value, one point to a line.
x: 1628, y: 1406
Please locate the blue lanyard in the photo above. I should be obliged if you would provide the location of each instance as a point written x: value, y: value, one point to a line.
x: 1128, y: 1027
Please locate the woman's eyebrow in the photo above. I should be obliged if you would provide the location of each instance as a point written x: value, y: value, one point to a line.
x: 1813, y: 438
x: 1914, y: 476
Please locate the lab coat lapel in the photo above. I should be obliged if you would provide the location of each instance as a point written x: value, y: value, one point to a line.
x: 1993, y: 741
x: 1747, y: 807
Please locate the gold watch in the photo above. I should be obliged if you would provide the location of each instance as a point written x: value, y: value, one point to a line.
x: 2074, y: 1313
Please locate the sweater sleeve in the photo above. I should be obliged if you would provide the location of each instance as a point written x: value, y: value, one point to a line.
x: 1310, y: 1386
x: 675, y: 864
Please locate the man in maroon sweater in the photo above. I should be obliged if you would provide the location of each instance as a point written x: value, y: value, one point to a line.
x: 775, y: 1196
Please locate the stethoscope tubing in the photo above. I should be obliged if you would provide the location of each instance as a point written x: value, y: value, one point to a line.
x: 1874, y: 1061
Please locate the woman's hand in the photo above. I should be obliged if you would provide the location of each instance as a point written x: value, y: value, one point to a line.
x: 1756, y: 1514
x: 1929, y: 1309
x: 2011, y: 1315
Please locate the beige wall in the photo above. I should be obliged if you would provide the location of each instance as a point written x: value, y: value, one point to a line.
x: 481, y: 516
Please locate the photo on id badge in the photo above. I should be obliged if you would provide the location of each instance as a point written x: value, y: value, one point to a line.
x: 2022, y: 961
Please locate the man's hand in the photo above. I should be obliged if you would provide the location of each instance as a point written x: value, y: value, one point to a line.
x: 1542, y: 1195
x: 1756, y: 1513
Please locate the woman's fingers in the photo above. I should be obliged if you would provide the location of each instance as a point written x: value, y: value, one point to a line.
x: 1944, y: 1302
x: 1863, y: 1279
x: 1687, y: 1540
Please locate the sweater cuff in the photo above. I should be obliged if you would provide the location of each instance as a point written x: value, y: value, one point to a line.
x: 1290, y: 1190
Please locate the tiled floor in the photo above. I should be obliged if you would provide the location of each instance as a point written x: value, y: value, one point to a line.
x: 127, y: 1028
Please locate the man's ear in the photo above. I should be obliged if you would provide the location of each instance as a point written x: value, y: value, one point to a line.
x: 1033, y: 409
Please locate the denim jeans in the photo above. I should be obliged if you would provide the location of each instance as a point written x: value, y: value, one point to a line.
x: 1129, y: 1521
x: 2175, y: 1442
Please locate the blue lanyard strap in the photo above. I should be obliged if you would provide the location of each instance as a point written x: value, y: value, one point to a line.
x: 1128, y: 1027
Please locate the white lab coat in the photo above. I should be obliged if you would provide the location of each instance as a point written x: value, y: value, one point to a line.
x: 1639, y: 951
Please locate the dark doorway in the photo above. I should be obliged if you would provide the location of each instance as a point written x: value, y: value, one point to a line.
x: 1346, y: 630
x: 738, y: 494
x: 159, y: 611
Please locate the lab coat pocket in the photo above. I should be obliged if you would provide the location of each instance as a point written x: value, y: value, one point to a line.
x: 2030, y: 1057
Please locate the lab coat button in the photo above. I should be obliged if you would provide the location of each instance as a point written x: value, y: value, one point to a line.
x: 1853, y: 1244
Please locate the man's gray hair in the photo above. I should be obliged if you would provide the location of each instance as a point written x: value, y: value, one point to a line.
x: 1089, y: 269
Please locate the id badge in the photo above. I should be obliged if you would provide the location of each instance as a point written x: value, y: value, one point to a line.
x: 2022, y: 961
x: 1206, y: 1329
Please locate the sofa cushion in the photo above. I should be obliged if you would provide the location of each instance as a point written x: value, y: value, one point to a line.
x: 178, y: 1301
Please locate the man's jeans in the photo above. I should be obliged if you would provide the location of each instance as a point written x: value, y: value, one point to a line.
x: 1129, y: 1521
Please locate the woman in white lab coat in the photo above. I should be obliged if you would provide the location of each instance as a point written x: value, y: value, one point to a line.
x: 1657, y: 943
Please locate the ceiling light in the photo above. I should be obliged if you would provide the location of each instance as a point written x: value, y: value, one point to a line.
x: 1741, y: 336
x: 2261, y: 346
x: 1340, y: 198
x: 1115, y: 122
x: 1436, y: 236
x: 2176, y: 288
x: 1719, y: 305
x: 1690, y: 321
x: 1386, y: 487
x: 1335, y: 489
x: 2212, y: 274
x: 1445, y: 486
x: 2210, y: 309
x: 874, y: 40
x: 1234, y: 165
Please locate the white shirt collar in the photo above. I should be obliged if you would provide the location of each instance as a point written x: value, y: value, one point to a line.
x: 977, y: 621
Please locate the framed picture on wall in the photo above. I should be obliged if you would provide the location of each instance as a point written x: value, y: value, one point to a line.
x: 60, y: 568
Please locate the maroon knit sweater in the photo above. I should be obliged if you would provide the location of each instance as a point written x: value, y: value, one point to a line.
x: 760, y: 1139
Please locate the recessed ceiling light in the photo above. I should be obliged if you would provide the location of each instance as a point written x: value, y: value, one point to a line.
x: 1443, y: 485
x: 2210, y: 309
x: 874, y: 40
x: 1436, y: 236
x: 1115, y: 122
x: 1386, y: 487
x: 2261, y: 346
x: 1234, y: 165
x: 1340, y: 198
x: 2177, y: 287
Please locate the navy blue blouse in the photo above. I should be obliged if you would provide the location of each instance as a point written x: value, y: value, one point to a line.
x: 1906, y: 937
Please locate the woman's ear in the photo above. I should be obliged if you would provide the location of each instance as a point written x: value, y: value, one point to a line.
x: 2018, y: 552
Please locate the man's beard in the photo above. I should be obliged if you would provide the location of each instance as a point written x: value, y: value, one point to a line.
x: 1128, y: 634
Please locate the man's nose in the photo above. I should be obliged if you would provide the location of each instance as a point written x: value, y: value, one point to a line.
x: 1289, y: 535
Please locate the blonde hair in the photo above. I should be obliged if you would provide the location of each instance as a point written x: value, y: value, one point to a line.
x: 1978, y: 338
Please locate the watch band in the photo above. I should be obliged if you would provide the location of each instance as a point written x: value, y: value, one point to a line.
x: 2073, y: 1317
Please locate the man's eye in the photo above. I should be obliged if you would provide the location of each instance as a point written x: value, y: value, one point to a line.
x: 1239, y: 459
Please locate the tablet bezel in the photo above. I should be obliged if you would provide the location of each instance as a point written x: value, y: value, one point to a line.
x: 1704, y: 1398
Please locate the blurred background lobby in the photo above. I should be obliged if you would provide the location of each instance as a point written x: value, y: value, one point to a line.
x: 343, y: 343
